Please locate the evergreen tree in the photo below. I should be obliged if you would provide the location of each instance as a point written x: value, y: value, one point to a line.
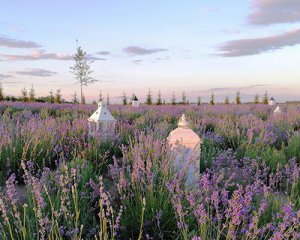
x: 24, y: 94
x: 265, y: 98
x: 212, y: 99
x: 149, y: 98
x: 58, y: 96
x: 124, y: 99
x: 51, y: 96
x: 199, y: 101
x: 82, y: 69
x: 75, y: 99
x: 107, y: 99
x: 183, y: 98
x: 100, y: 97
x: 31, y: 94
x: 256, y: 99
x: 1, y: 93
x: 83, y: 99
x: 173, y: 100
x: 159, y: 101
x: 226, y: 100
x: 238, y: 98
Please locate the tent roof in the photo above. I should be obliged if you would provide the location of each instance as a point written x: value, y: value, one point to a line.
x: 101, y: 114
x: 184, y: 136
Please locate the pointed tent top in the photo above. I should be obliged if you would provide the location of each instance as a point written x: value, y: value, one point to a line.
x: 183, y: 123
x: 101, y: 114
x: 272, y: 98
x: 135, y: 98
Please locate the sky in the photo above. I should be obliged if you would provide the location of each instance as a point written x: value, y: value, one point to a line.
x: 195, y: 46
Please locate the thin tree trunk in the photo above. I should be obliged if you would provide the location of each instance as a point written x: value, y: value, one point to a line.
x: 81, y: 92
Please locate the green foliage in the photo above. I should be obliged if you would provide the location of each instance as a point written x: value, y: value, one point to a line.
x: 159, y: 100
x: 238, y: 98
x: 209, y: 150
x: 212, y: 99
x: 265, y: 99
x: 149, y: 98
x: 293, y: 148
x: 256, y: 99
x: 1, y: 93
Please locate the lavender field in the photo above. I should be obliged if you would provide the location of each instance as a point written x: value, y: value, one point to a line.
x: 57, y: 182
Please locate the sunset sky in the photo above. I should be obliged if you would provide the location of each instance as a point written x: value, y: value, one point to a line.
x: 194, y: 46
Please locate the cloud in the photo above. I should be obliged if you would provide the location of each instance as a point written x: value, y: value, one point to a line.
x: 254, y: 46
x: 42, y: 55
x: 133, y: 50
x: 13, y: 43
x: 4, y: 76
x: 267, y: 12
x: 238, y: 88
x: 105, y: 53
x: 36, y: 72
x: 137, y: 61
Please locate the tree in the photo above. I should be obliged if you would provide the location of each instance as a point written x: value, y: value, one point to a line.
x: 183, y: 98
x: 58, y: 96
x: 256, y: 99
x: 107, y: 99
x: 83, y: 99
x: 199, y: 101
x: 265, y: 98
x: 82, y: 69
x: 100, y: 97
x: 212, y: 99
x: 124, y: 99
x: 149, y: 98
x: 75, y: 100
x: 173, y: 100
x: 226, y: 100
x: 1, y: 93
x: 31, y: 94
x: 24, y: 94
x: 51, y: 96
x: 159, y: 100
x: 238, y: 98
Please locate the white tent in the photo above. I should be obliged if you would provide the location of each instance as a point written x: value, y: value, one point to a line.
x: 101, y: 121
x: 272, y: 101
x: 135, y: 102
x: 185, y: 144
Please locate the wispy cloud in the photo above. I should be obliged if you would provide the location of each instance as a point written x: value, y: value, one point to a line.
x: 13, y: 43
x: 4, y: 76
x: 133, y: 50
x: 274, y: 11
x: 104, y: 53
x: 42, y: 55
x: 254, y: 46
x: 36, y: 72
x: 137, y: 61
x: 239, y: 88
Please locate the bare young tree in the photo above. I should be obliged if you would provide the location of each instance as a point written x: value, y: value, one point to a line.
x: 82, y: 69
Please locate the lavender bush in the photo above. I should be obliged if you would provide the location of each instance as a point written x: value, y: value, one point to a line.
x: 59, y: 183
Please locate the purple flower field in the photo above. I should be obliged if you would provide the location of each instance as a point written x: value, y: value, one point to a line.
x: 57, y: 182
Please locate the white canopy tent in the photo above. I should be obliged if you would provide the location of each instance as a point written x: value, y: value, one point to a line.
x: 101, y: 121
x: 185, y: 144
